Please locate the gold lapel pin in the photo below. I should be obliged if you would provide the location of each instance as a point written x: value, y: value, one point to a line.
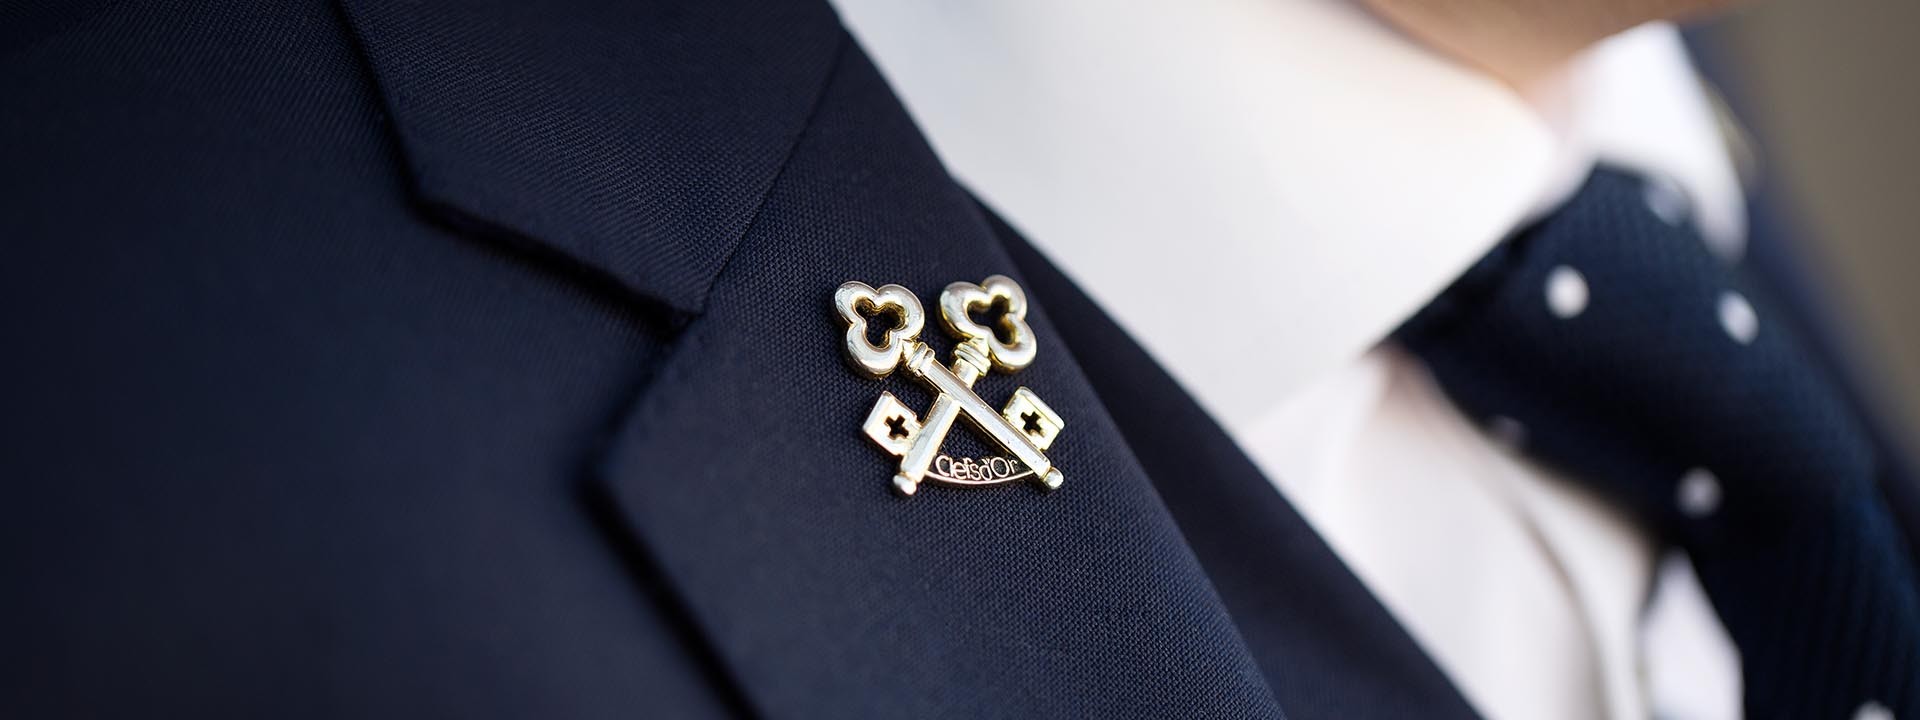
x: 1023, y: 429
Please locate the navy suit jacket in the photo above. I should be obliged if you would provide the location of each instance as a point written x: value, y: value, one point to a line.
x: 476, y: 360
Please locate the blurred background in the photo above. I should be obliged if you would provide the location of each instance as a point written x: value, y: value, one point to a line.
x: 1832, y: 90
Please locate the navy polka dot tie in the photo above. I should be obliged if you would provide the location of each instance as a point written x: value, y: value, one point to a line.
x: 1609, y: 342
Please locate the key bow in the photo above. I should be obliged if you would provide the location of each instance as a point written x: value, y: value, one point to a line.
x: 960, y: 299
x: 854, y: 300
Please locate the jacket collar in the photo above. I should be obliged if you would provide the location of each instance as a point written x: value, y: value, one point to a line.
x: 636, y: 139
x: 744, y: 164
x: 744, y: 473
x: 736, y: 164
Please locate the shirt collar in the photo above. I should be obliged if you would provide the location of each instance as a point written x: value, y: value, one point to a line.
x: 1258, y: 191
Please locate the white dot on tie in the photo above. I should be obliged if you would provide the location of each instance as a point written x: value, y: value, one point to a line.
x: 1667, y: 200
x: 1737, y: 318
x: 1566, y: 292
x: 1699, y: 493
x: 1873, y: 711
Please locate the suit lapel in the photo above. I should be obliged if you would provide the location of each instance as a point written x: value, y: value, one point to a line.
x: 634, y: 139
x: 743, y: 471
x: 733, y: 163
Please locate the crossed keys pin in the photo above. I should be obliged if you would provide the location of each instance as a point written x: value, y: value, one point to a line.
x: 1024, y: 429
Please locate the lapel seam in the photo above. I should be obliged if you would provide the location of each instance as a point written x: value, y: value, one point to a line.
x: 500, y: 172
x: 692, y: 343
x: 834, y: 70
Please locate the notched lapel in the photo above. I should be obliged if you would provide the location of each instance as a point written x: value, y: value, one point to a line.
x: 636, y: 138
x: 744, y: 473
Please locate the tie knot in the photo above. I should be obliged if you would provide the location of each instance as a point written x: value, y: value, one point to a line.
x: 1636, y: 356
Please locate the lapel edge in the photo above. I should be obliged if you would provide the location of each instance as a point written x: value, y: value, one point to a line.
x: 648, y: 172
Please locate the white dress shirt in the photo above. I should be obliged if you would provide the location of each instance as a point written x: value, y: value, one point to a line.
x: 1315, y: 178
